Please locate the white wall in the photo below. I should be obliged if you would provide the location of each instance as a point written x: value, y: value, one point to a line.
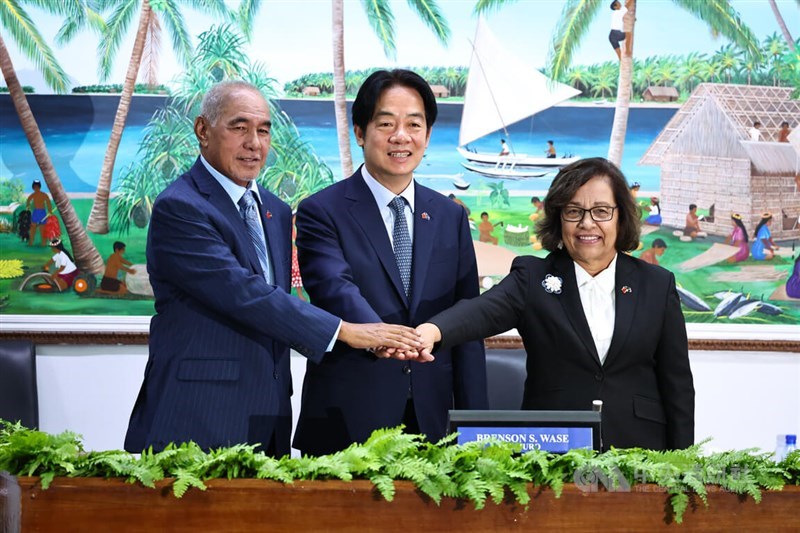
x: 744, y: 399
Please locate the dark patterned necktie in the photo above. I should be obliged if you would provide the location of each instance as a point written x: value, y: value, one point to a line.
x: 249, y: 210
x: 401, y: 241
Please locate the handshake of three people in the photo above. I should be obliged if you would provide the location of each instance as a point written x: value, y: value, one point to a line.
x: 392, y: 341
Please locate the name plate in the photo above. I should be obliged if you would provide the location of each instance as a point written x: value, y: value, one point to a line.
x: 549, y: 439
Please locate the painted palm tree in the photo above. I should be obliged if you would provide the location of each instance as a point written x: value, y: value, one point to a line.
x: 782, y: 23
x: 691, y: 70
x: 169, y: 147
x: 728, y: 60
x: 578, y: 15
x: 775, y: 49
x: 152, y: 15
x: 381, y: 19
x: 20, y: 27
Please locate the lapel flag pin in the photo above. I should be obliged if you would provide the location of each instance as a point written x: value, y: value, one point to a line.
x: 626, y: 289
x: 268, y: 214
x: 425, y: 216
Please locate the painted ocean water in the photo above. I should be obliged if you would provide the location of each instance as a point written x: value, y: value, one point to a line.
x: 76, y: 129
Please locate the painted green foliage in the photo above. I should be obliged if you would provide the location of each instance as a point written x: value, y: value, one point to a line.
x: 169, y: 148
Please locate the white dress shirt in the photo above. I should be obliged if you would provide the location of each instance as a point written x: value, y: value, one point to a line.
x: 384, y: 196
x: 599, y: 306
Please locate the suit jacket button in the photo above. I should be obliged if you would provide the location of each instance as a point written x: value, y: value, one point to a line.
x: 598, y: 377
x: 406, y: 370
x: 275, y: 374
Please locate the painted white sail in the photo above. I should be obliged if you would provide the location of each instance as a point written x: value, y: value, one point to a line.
x: 502, y: 90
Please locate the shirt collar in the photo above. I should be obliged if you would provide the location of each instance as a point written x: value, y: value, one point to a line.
x: 605, y: 280
x: 383, y: 195
x: 235, y: 191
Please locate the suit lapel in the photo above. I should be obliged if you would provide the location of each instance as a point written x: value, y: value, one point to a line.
x: 426, y: 228
x: 270, y: 217
x: 366, y: 214
x: 217, y: 197
x: 627, y: 279
x: 571, y: 302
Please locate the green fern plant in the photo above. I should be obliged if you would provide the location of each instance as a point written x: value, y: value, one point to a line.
x: 477, y: 472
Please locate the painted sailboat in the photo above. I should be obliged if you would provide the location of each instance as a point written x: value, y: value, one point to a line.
x: 501, y: 90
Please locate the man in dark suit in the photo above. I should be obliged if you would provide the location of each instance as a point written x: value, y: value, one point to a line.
x: 218, y: 370
x: 597, y: 324
x: 380, y: 247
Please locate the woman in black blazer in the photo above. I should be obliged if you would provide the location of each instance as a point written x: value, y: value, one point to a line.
x: 596, y: 323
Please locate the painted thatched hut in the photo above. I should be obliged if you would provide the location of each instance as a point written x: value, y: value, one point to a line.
x: 660, y: 94
x: 311, y: 90
x: 707, y: 158
x: 440, y: 91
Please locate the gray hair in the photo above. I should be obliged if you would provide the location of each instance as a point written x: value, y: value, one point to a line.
x: 215, y: 98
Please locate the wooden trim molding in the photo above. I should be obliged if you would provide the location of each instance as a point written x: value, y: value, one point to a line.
x: 514, y: 342
x: 510, y: 342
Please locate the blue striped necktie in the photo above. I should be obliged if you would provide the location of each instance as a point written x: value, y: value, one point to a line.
x: 249, y: 210
x: 401, y: 241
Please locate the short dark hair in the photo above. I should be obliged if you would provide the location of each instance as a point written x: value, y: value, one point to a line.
x: 756, y: 123
x: 484, y: 214
x: 615, y: 3
x: 381, y: 80
x: 36, y: 183
x: 692, y: 206
x: 567, y: 182
x: 784, y: 123
x: 535, y: 199
x: 659, y: 243
x: 119, y: 245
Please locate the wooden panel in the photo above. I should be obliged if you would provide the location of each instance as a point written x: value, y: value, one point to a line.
x: 254, y: 505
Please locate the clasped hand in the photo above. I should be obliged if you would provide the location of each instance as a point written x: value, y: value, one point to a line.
x: 392, y: 340
x: 428, y: 335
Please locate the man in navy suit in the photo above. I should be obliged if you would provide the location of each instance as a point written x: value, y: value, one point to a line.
x: 379, y: 247
x: 218, y: 370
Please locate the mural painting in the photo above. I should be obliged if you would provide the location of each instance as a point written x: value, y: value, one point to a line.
x: 709, y: 139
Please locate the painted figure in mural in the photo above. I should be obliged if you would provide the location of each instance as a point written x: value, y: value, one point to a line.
x: 654, y: 218
x: 538, y: 208
x: 635, y: 186
x: 793, y: 283
x: 504, y: 147
x: 41, y: 207
x: 783, y: 133
x: 380, y: 246
x: 297, y: 279
x: 755, y: 131
x: 578, y: 311
x: 763, y: 247
x: 617, y: 33
x: 655, y: 251
x: 692, y: 228
x: 459, y: 202
x: 551, y: 150
x: 485, y: 229
x: 738, y: 237
x: 63, y: 266
x: 219, y: 256
x: 116, y: 263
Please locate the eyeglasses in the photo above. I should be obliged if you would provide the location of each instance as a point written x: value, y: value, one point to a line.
x: 601, y: 213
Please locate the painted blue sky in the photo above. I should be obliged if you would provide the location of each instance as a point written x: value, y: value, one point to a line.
x: 293, y: 37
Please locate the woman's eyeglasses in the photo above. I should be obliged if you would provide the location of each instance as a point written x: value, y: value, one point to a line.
x: 601, y: 213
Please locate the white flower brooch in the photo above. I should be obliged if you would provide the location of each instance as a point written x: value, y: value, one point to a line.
x: 552, y: 284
